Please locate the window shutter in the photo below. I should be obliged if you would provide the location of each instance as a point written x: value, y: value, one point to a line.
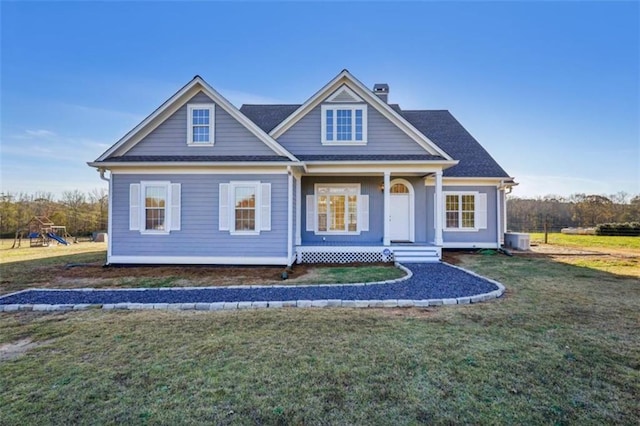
x: 481, y: 211
x: 311, y: 213
x: 364, y: 213
x: 134, y: 207
x: 265, y: 207
x: 175, y: 198
x: 223, y: 207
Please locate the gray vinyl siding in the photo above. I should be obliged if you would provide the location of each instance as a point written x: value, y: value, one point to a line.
x: 488, y: 235
x: 383, y: 137
x: 170, y: 137
x: 199, y: 234
x: 368, y: 185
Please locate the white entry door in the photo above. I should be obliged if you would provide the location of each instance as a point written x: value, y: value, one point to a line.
x: 401, y: 214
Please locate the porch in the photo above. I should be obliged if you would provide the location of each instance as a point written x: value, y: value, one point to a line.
x: 337, y: 252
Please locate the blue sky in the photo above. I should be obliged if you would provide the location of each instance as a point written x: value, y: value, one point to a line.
x: 551, y: 89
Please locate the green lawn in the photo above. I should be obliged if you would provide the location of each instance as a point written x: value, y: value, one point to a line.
x: 561, y: 348
x: 588, y: 241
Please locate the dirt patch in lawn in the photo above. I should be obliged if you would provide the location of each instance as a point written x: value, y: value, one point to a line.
x: 13, y: 350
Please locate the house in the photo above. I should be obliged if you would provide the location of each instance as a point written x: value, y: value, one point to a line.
x: 343, y: 177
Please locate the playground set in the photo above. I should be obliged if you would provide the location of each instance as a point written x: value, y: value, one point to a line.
x: 41, y: 232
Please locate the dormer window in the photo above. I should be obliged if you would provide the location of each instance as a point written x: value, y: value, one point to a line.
x: 200, y: 129
x: 344, y: 124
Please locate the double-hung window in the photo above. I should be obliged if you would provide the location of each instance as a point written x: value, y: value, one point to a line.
x: 200, y: 128
x: 337, y: 209
x: 465, y: 211
x: 344, y: 124
x: 154, y: 207
x: 244, y: 207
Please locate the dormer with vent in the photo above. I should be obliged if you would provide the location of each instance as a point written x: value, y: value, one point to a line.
x: 344, y: 119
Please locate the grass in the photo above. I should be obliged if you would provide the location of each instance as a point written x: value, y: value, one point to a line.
x: 52, y: 253
x: 588, y: 241
x: 44, y: 267
x: 561, y: 348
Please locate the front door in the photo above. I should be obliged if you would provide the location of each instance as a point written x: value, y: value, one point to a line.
x: 400, y: 228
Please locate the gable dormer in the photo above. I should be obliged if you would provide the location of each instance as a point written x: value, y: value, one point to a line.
x: 344, y: 119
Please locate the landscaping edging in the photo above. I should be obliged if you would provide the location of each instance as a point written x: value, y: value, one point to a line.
x: 302, y: 303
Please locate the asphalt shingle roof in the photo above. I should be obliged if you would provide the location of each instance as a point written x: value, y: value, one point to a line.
x: 438, y: 125
x: 445, y: 131
x: 196, y: 158
x: 267, y: 117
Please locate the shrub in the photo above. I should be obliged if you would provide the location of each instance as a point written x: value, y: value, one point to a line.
x: 630, y: 229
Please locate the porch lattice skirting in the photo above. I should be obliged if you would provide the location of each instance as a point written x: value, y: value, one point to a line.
x: 350, y: 254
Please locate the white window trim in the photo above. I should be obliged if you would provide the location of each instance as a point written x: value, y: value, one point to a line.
x: 334, y: 107
x: 356, y: 186
x: 232, y: 207
x: 167, y: 210
x: 444, y: 206
x: 212, y: 120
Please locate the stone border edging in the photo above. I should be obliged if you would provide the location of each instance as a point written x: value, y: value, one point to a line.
x: 224, y: 306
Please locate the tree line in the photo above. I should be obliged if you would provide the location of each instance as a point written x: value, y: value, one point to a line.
x: 553, y: 212
x: 82, y: 213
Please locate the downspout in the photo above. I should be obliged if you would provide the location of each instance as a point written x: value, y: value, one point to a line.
x: 101, y: 170
x: 109, y: 213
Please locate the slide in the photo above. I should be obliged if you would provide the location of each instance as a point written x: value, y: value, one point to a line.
x: 57, y: 238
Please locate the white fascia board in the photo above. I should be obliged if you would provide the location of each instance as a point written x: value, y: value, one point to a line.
x: 178, y: 100
x: 361, y: 90
x: 378, y: 168
x: 206, y: 170
x: 180, y: 164
x: 466, y: 181
x: 199, y: 260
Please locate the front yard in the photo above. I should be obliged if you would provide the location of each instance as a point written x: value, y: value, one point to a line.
x: 561, y: 347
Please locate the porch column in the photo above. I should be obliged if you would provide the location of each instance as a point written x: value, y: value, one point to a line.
x: 298, y: 210
x: 387, y: 211
x: 438, y: 209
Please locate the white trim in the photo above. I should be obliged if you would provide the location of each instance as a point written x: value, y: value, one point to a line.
x: 346, y: 79
x: 412, y: 229
x: 110, y: 219
x: 257, y: 222
x: 386, y: 216
x: 290, y: 215
x: 201, y: 260
x: 498, y: 216
x: 378, y: 167
x: 298, y: 210
x: 466, y: 181
x: 438, y: 215
x: 358, y: 193
x: 334, y: 108
x: 200, y: 171
x: 211, y: 126
x: 340, y: 91
x: 167, y: 207
x: 182, y: 96
x: 459, y: 194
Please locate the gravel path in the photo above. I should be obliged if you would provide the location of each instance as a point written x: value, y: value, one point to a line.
x: 429, y: 281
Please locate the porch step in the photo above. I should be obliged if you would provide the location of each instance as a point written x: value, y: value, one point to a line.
x: 416, y: 254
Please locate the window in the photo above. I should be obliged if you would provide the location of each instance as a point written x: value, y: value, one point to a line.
x: 337, y: 208
x: 201, y: 124
x: 154, y: 207
x: 244, y: 207
x: 344, y: 124
x: 465, y: 211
